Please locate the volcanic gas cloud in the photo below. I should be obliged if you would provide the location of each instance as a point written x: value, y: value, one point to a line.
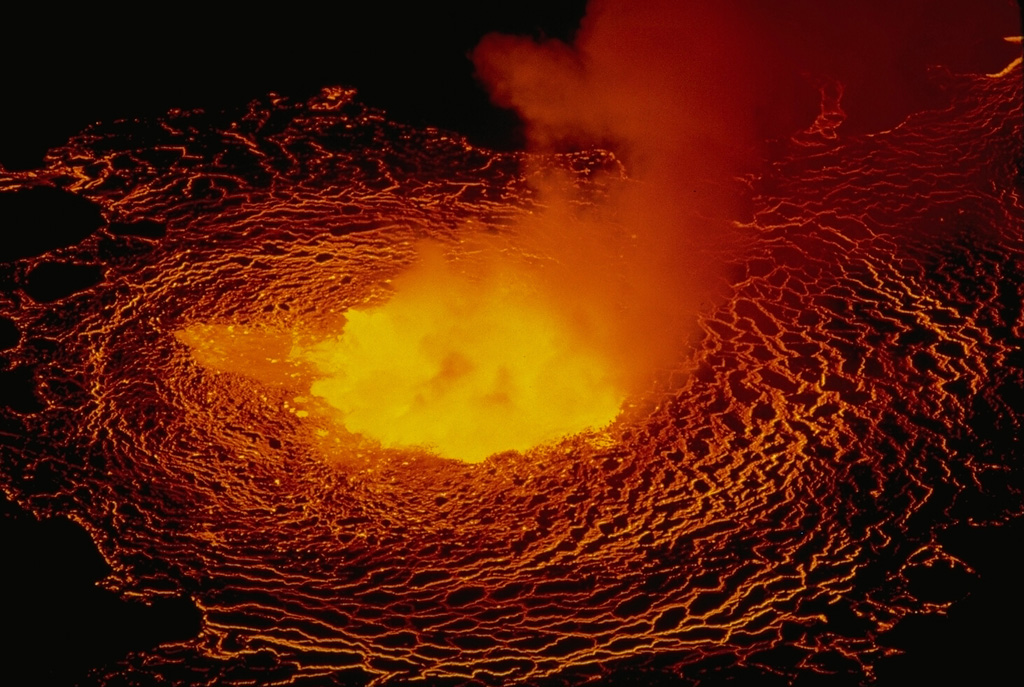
x: 521, y: 345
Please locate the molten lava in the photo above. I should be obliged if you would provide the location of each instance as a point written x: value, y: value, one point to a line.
x: 467, y: 367
x: 778, y: 503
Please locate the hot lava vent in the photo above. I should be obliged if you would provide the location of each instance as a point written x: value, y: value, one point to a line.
x: 391, y: 408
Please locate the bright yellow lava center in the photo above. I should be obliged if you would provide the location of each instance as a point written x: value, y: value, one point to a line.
x: 464, y: 367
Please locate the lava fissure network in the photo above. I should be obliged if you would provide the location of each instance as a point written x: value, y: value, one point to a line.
x: 772, y: 499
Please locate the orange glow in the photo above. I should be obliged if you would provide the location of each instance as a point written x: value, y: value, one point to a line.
x: 517, y: 341
x: 464, y: 366
x: 391, y: 408
x: 257, y: 353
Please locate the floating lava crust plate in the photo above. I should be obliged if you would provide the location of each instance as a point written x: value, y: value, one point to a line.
x: 773, y: 503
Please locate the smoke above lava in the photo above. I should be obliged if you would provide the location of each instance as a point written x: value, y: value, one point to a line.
x: 506, y: 345
x: 596, y: 293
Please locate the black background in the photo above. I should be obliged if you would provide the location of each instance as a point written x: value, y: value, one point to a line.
x: 75, y: 67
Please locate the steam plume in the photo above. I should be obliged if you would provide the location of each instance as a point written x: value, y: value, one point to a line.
x: 687, y: 94
x: 690, y: 94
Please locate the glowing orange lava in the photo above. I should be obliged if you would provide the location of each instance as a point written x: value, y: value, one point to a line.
x: 466, y: 367
x: 461, y: 364
x: 823, y: 373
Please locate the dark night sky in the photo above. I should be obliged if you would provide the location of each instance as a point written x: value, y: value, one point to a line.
x: 80, y: 67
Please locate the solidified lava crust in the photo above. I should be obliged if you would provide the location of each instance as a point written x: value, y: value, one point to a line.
x: 769, y: 504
